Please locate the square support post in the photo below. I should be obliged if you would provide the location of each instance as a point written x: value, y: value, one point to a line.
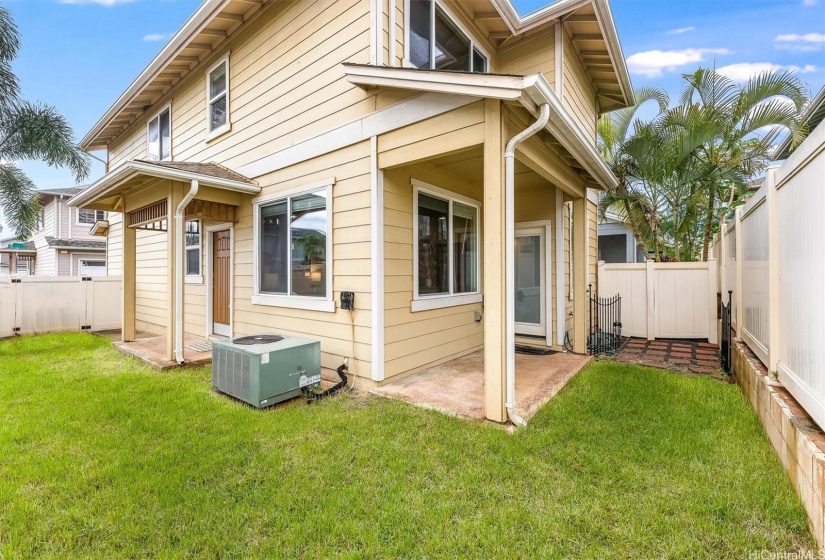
x: 580, y: 262
x: 495, y: 300
x: 127, y: 328
x: 774, y: 334
x: 174, y: 198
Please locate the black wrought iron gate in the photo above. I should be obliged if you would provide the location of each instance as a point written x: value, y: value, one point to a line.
x: 605, y: 323
x: 725, y: 344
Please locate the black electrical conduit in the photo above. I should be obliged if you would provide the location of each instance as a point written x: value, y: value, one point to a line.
x: 312, y: 396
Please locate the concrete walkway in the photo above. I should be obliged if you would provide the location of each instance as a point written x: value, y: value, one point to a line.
x: 151, y: 349
x: 457, y: 387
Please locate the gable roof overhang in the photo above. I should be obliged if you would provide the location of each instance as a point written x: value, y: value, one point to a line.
x: 209, y: 27
x: 531, y: 92
x: 215, y: 21
x: 122, y: 178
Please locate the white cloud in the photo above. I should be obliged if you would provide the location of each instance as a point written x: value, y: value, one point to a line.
x: 810, y: 2
x: 742, y: 71
x: 652, y: 64
x: 807, y: 42
x: 156, y: 37
x: 807, y: 69
x: 681, y: 30
x: 98, y: 2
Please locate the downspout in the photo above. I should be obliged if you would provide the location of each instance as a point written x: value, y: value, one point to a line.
x: 510, y: 257
x: 180, y: 260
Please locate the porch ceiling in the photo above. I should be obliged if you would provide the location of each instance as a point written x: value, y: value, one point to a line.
x: 469, y: 166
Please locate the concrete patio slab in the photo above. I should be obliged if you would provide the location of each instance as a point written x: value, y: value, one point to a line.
x: 151, y: 349
x: 457, y: 387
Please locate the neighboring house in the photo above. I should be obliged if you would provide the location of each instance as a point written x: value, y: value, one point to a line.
x: 374, y: 132
x: 63, y: 243
x: 617, y: 243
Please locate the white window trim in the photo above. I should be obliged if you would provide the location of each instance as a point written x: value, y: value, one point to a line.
x: 194, y: 278
x: 167, y: 107
x: 325, y: 304
x: 211, y: 134
x: 426, y: 302
x: 77, y: 221
x: 455, y: 21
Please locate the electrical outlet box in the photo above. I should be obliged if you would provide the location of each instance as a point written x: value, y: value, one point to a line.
x: 348, y: 300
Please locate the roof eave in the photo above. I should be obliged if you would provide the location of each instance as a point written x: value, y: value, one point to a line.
x: 133, y: 168
x: 531, y: 91
x: 518, y: 24
x: 203, y: 15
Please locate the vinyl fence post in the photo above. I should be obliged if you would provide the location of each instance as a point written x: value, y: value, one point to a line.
x: 713, y: 323
x: 651, y: 299
x: 774, y: 334
x: 740, y: 254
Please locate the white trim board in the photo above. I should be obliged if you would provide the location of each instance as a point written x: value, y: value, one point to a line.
x: 376, y: 262
x: 206, y: 240
x: 380, y: 122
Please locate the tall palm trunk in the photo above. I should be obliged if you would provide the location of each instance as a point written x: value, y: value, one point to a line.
x: 708, y: 223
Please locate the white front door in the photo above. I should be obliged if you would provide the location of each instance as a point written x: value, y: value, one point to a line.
x: 531, y: 281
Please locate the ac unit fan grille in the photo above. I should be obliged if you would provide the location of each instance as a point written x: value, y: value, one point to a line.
x: 257, y: 339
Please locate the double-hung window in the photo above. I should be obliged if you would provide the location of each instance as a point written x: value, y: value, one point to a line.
x: 159, y: 135
x: 217, y: 98
x: 193, y: 250
x: 436, y: 42
x: 293, y: 249
x: 447, y: 260
x: 86, y: 216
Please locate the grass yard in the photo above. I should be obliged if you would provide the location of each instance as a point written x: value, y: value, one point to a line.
x: 103, y: 457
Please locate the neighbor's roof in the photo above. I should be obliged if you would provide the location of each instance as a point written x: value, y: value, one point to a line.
x: 589, y: 23
x: 30, y: 248
x: 207, y: 174
x: 69, y: 191
x: 55, y: 243
x: 812, y: 115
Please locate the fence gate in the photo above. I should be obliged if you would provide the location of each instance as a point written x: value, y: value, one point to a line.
x: 725, y: 345
x: 605, y: 323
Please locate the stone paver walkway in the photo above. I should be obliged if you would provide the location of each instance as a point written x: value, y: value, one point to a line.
x: 696, y: 357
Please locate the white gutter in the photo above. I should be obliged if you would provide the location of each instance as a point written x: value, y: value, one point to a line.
x: 179, y: 263
x: 510, y: 257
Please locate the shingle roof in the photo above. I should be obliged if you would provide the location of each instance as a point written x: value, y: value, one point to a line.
x: 75, y: 244
x: 212, y: 169
x: 68, y: 191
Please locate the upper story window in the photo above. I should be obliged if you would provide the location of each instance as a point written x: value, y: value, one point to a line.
x: 437, y: 43
x: 217, y: 98
x: 159, y: 135
x: 86, y: 216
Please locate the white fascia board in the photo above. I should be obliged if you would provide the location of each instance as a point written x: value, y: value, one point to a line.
x: 556, y: 11
x: 205, y: 13
x: 496, y: 86
x: 131, y: 169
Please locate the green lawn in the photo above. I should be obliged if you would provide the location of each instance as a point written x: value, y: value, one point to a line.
x: 103, y: 457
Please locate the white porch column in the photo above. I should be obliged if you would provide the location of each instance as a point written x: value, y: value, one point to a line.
x: 174, y: 198
x: 495, y: 298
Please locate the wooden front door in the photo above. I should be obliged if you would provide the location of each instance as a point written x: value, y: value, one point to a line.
x: 221, y: 270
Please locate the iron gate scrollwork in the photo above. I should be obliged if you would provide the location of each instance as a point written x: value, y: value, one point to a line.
x: 605, y: 323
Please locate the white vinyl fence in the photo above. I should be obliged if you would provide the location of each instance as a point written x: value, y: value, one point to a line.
x: 776, y: 271
x: 39, y: 304
x: 664, y: 300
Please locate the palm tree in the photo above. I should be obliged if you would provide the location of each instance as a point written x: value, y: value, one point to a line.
x: 28, y: 131
x: 770, y: 99
x: 614, y: 134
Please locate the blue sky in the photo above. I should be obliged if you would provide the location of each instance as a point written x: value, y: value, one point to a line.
x: 79, y: 55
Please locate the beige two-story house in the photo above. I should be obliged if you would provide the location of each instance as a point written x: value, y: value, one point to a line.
x: 435, y: 158
x: 67, y: 241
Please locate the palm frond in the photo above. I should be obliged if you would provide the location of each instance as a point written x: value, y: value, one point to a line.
x: 18, y: 200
